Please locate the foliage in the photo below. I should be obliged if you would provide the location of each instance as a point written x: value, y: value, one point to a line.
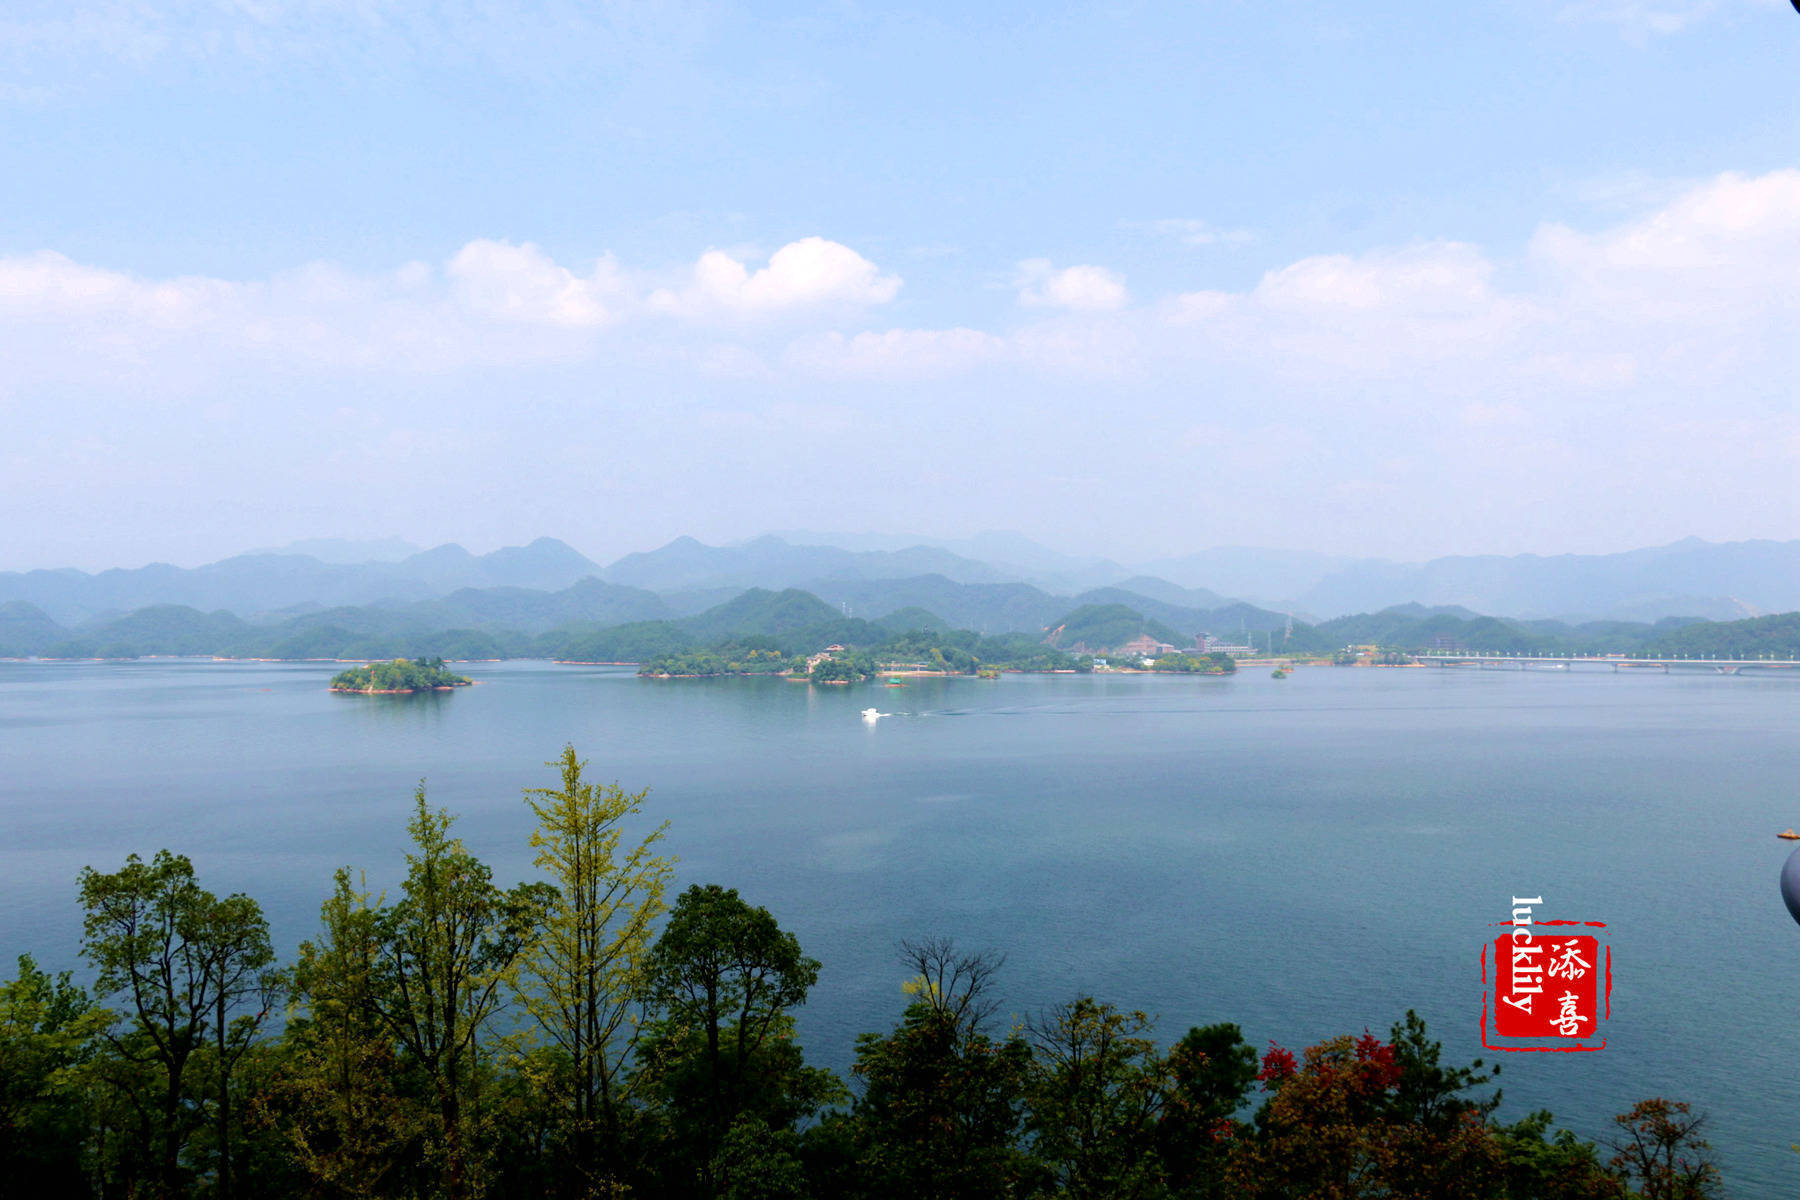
x: 844, y: 666
x: 48, y: 1029
x: 951, y: 652
x: 353, y: 1116
x: 584, y: 974
x: 759, y: 611
x: 401, y: 675
x: 671, y: 1067
x: 750, y: 657
x: 1559, y: 1166
x: 1096, y: 1094
x: 1758, y: 637
x: 1410, y: 629
x: 725, y: 976
x: 444, y: 961
x: 1331, y: 1128
x: 190, y: 965
x: 942, y: 1101
x: 1217, y: 663
x: 1659, y: 1148
x: 640, y: 641
x: 1210, y: 1072
x: 1101, y: 628
x: 27, y: 630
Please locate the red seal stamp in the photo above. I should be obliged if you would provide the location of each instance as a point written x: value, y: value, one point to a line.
x: 1545, y: 986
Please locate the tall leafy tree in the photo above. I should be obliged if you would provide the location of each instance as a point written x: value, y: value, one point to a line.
x: 942, y: 1100
x: 585, y: 976
x: 182, y: 961
x: 1541, y: 1165
x: 1428, y: 1093
x: 1211, y: 1070
x: 47, y: 1029
x: 447, y: 949
x: 1660, y: 1148
x: 1096, y: 1091
x: 725, y: 977
x: 1333, y: 1127
x: 341, y: 1097
x: 241, y: 963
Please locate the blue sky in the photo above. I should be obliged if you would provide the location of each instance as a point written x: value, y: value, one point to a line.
x: 1399, y: 279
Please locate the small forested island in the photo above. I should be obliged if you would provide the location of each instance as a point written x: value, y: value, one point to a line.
x: 398, y: 678
x: 1181, y: 663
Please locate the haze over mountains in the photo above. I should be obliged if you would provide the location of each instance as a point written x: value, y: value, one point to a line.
x: 1017, y: 585
x: 547, y: 600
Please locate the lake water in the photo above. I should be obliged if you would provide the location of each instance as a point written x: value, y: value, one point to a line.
x: 1305, y: 857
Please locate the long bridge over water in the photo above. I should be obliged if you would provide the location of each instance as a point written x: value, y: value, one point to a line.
x: 1482, y: 660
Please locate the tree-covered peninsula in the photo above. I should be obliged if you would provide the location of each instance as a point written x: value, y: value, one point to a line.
x: 400, y: 677
x: 846, y: 651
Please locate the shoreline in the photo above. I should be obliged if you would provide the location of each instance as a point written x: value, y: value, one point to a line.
x: 442, y: 687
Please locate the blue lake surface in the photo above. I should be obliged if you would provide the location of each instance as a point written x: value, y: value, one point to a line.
x: 1305, y: 857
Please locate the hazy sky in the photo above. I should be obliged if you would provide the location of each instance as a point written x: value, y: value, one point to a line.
x: 1401, y: 279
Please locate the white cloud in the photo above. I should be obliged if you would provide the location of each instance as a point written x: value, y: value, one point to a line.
x: 1442, y: 277
x: 1727, y: 233
x: 492, y: 303
x: 807, y: 274
x: 521, y: 283
x: 1694, y: 292
x: 1079, y: 288
x: 1697, y: 293
x: 48, y: 285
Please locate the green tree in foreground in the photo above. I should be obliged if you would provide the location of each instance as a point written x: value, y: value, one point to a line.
x: 397, y: 1075
x: 584, y: 976
x: 447, y: 952
x: 1210, y: 1073
x: 47, y: 1030
x: 1096, y: 1093
x: 348, y: 1109
x: 241, y: 963
x: 725, y: 976
x: 942, y: 1103
x: 183, y: 961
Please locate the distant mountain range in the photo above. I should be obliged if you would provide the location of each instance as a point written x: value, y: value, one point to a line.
x: 607, y: 625
x: 1689, y: 578
x: 770, y: 562
x: 998, y: 582
x: 254, y: 584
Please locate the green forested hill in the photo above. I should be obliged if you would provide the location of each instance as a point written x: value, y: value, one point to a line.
x: 759, y: 611
x: 1758, y: 637
x: 26, y: 630
x: 1104, y: 627
x: 1410, y: 628
x: 799, y: 622
x: 636, y: 642
x: 160, y: 629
